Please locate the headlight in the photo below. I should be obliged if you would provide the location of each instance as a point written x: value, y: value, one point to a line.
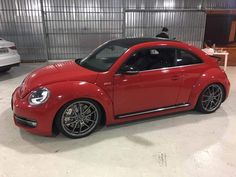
x: 39, y: 96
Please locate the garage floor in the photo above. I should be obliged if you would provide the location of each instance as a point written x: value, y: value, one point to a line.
x: 183, y: 145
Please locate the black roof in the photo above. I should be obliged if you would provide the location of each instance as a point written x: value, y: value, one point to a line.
x: 129, y: 42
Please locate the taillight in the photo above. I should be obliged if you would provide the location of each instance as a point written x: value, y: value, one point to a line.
x: 13, y: 47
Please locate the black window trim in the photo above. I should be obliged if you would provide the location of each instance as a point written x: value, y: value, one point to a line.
x: 158, y: 47
x: 187, y: 51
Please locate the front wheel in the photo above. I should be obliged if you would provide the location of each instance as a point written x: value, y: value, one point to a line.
x: 78, y: 118
x: 210, y: 99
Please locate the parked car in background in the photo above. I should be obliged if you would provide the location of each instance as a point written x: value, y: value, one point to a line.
x: 122, y: 80
x: 9, y: 56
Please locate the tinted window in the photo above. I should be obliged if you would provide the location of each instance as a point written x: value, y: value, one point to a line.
x: 103, y: 58
x: 148, y: 59
x: 186, y: 58
x: 110, y: 52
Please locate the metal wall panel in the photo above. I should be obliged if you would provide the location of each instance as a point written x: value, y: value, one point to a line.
x: 21, y: 22
x: 72, y: 28
x: 180, y: 4
x: 180, y: 24
x: 220, y: 4
x: 163, y: 4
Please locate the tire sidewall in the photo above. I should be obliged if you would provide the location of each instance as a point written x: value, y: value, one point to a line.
x: 4, y: 69
x: 61, y: 111
x: 199, y: 106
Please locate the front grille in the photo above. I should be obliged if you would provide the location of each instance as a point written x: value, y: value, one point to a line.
x: 3, y: 50
x: 25, y: 122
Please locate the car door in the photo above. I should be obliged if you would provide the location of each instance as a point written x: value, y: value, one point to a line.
x: 156, y: 85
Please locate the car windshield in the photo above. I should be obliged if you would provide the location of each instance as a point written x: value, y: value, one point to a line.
x: 103, y: 57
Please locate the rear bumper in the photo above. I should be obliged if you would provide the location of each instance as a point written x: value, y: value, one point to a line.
x: 9, y: 59
x: 11, y: 65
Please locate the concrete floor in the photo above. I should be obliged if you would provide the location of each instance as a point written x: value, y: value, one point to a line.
x: 187, y: 144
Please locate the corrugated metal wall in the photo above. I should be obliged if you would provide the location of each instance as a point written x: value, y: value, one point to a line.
x: 180, y: 24
x: 163, y: 4
x: 74, y: 28
x: 21, y: 22
x: 215, y: 4
x: 59, y: 29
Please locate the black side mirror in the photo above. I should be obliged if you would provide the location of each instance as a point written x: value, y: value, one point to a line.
x: 129, y: 70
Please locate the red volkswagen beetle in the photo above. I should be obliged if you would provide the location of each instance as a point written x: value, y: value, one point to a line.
x: 122, y: 80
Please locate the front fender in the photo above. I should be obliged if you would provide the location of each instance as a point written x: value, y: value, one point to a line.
x: 64, y: 92
x: 214, y: 75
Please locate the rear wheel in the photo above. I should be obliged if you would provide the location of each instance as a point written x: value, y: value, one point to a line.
x: 210, y: 99
x: 78, y: 118
x: 5, y: 69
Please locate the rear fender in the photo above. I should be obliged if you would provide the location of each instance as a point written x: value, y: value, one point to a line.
x: 213, y: 75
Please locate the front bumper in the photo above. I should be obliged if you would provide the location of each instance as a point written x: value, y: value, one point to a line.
x: 25, y: 122
x: 35, y: 119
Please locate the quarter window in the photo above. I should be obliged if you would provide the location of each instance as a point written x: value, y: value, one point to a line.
x: 186, y: 58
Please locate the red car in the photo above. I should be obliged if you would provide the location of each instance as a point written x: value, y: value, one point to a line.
x: 122, y: 80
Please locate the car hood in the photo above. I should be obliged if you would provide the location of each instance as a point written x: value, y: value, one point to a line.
x: 60, y: 72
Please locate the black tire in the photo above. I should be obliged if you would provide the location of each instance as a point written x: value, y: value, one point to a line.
x: 210, y: 99
x: 5, y: 69
x: 73, y: 118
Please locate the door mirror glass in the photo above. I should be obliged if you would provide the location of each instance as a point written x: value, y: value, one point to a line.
x: 129, y: 70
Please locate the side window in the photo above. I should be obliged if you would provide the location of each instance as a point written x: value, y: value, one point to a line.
x: 186, y: 58
x: 154, y: 58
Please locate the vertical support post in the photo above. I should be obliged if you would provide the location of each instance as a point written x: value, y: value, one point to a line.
x: 204, y: 28
x: 45, y: 35
x: 124, y: 17
x: 203, y: 4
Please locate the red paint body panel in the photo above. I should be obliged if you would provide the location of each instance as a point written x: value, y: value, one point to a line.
x: 116, y: 93
x: 60, y: 72
x: 156, y: 89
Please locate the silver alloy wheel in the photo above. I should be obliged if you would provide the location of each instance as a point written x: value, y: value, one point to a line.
x: 212, y: 97
x: 79, y: 118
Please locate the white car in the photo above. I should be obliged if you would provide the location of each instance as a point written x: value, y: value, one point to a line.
x: 9, y: 56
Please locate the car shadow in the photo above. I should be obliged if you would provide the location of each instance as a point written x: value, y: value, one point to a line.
x: 20, y: 140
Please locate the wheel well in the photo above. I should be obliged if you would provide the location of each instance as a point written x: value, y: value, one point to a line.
x: 103, y: 119
x: 55, y: 130
x: 224, y: 92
